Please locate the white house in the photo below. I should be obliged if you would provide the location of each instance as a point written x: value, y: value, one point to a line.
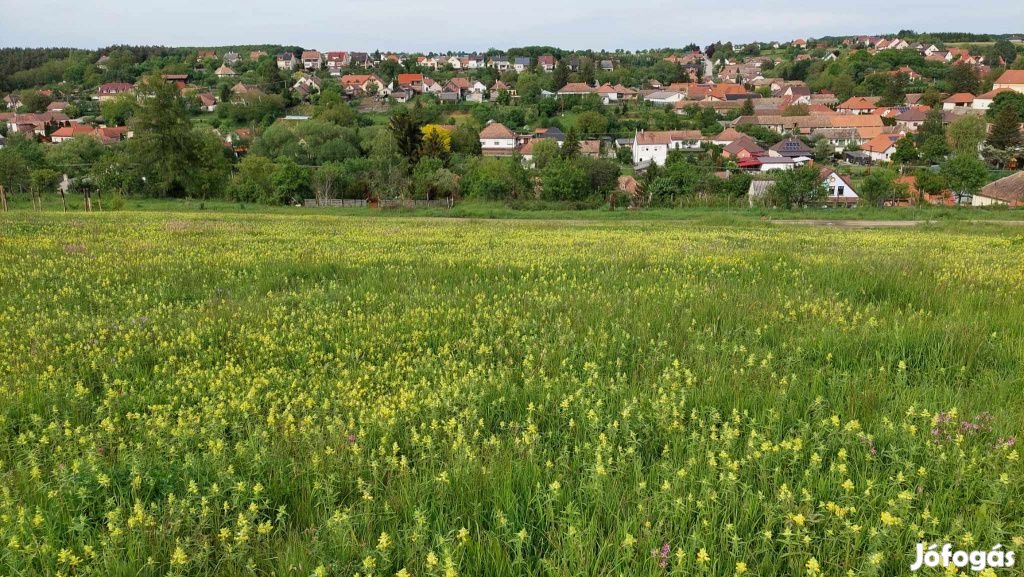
x: 287, y: 61
x: 653, y: 146
x: 497, y: 140
x: 665, y: 97
x: 839, y: 189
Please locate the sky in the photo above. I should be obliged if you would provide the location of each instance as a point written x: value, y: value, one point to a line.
x: 461, y: 25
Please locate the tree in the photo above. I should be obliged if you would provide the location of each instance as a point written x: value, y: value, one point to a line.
x: 933, y: 125
x: 496, y: 179
x: 1011, y: 99
x: 75, y: 157
x: 117, y: 111
x: 967, y: 133
x: 965, y: 174
x: 931, y: 97
x: 35, y: 101
x: 571, y: 145
x: 43, y: 180
x: 823, y: 150
x: 254, y: 180
x: 591, y: 122
x: 748, y: 108
x: 1005, y: 129
x: 466, y: 139
x: 14, y: 171
x: 544, y: 151
x: 164, y: 144
x: 565, y: 179
x: 1005, y: 50
x: 797, y: 187
x: 843, y: 87
x: 561, y: 75
x: 895, y: 91
x: 424, y: 177
x: 905, y: 151
x: 437, y: 142
x: 880, y: 185
x: 408, y: 135
x: 291, y: 182
x: 964, y: 78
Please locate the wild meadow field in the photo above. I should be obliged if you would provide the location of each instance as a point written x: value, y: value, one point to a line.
x: 268, y: 394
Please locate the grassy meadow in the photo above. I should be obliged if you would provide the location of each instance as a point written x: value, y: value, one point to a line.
x: 232, y: 393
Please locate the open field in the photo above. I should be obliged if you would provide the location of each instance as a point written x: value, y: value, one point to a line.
x: 300, y: 393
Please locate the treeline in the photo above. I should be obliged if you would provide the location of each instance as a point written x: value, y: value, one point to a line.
x: 16, y: 64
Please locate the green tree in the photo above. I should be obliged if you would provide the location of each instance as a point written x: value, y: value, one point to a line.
x: 880, y: 185
x: 408, y: 135
x: 571, y: 145
x: 14, y: 171
x: 963, y: 78
x: 118, y: 110
x: 931, y: 97
x: 905, y: 151
x: 561, y: 75
x: 565, y: 179
x: 967, y: 133
x: 164, y: 144
x: 34, y: 101
x: 44, y: 180
x: 965, y: 174
x: 254, y: 180
x: 1011, y: 99
x: 823, y: 150
x: 544, y: 151
x: 797, y: 187
x: 1005, y: 129
x: 291, y: 182
x: 593, y: 123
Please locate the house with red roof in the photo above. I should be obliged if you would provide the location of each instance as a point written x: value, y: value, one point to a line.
x: 652, y: 147
x: 411, y: 80
x: 113, y: 90
x: 882, y: 147
x: 858, y: 105
x: 497, y: 140
x: 575, y: 89
x: 958, y: 101
x: 312, y: 60
x: 1012, y: 79
x: 68, y: 132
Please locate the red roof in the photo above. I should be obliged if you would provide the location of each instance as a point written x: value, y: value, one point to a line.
x: 72, y: 131
x: 960, y: 98
x: 1011, y: 77
x: 409, y: 79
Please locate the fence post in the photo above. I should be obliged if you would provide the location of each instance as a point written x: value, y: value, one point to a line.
x: 3, y: 197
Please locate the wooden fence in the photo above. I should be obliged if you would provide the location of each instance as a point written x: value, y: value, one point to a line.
x: 416, y: 203
x: 334, y: 202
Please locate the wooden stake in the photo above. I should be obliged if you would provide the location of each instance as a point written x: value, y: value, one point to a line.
x: 3, y: 198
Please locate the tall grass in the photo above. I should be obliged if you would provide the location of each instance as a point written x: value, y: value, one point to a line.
x: 273, y: 394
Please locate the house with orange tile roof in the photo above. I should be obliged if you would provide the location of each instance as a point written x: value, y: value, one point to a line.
x: 958, y: 101
x: 653, y: 146
x: 497, y: 140
x: 1012, y: 79
x: 858, y: 105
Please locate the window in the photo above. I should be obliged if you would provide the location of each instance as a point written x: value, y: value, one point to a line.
x: 840, y: 190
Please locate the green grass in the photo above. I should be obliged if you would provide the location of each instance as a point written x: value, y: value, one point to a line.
x: 299, y: 392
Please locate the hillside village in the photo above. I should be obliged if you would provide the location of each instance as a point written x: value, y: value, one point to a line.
x: 863, y: 120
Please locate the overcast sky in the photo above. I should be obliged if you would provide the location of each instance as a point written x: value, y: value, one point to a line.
x: 443, y: 25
